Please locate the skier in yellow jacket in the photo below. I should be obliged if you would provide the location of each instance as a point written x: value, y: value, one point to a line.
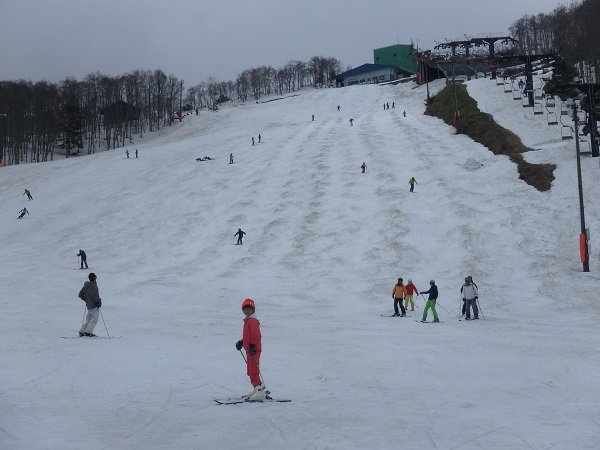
x: 412, y: 182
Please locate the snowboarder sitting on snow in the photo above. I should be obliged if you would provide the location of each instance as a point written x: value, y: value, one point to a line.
x: 22, y: 213
x: 433, y: 295
x: 470, y: 294
x: 410, y: 290
x: 398, y: 293
x: 251, y: 343
x: 90, y: 295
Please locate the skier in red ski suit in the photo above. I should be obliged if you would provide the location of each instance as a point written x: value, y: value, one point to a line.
x: 251, y: 343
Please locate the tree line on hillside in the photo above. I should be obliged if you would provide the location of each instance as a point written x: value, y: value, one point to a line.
x: 101, y: 111
x: 571, y: 30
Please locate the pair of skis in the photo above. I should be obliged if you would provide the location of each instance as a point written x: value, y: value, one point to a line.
x: 422, y: 321
x: 238, y: 400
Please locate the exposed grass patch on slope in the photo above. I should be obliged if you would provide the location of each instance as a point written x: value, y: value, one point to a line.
x: 500, y: 141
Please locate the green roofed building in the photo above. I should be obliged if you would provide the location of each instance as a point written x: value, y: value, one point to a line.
x: 401, y: 56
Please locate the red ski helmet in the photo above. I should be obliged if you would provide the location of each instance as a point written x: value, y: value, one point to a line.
x: 248, y: 302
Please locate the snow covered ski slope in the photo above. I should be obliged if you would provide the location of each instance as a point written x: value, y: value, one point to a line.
x: 324, y: 246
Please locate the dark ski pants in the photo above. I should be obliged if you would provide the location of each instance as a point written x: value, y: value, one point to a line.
x: 83, y: 261
x: 471, y: 303
x: 398, y: 301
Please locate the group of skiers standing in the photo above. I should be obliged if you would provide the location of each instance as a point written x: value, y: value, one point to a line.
x: 403, y: 295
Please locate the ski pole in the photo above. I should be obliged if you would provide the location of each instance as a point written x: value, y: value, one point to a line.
x: 480, y: 310
x: 443, y: 308
x: 104, y: 323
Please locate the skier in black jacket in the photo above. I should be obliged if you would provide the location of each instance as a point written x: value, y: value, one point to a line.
x: 240, y: 234
x: 433, y: 295
x: 83, y: 258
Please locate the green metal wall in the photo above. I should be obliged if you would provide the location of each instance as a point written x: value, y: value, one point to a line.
x: 401, y: 56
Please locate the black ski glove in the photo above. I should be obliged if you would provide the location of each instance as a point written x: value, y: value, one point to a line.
x: 252, y: 349
x: 238, y: 345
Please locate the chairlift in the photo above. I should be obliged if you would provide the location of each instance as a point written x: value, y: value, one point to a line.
x: 566, y: 132
x: 499, y: 81
x: 538, y: 94
x: 537, y: 109
x: 517, y: 95
x: 552, y: 120
x: 526, y: 102
x: 550, y: 101
x: 587, y: 149
x: 564, y: 109
x: 508, y: 86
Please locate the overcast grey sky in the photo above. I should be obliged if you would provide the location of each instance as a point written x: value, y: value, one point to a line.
x: 195, y: 39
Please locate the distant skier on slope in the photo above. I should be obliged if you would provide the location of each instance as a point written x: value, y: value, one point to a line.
x: 22, y: 213
x: 464, y: 303
x: 470, y: 294
x: 433, y: 295
x: 83, y: 258
x: 412, y: 183
x: 251, y: 343
x: 240, y: 234
x: 363, y: 167
x: 28, y: 194
x: 398, y: 293
x: 410, y: 290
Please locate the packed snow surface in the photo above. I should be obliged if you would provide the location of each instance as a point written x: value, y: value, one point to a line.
x: 325, y: 245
